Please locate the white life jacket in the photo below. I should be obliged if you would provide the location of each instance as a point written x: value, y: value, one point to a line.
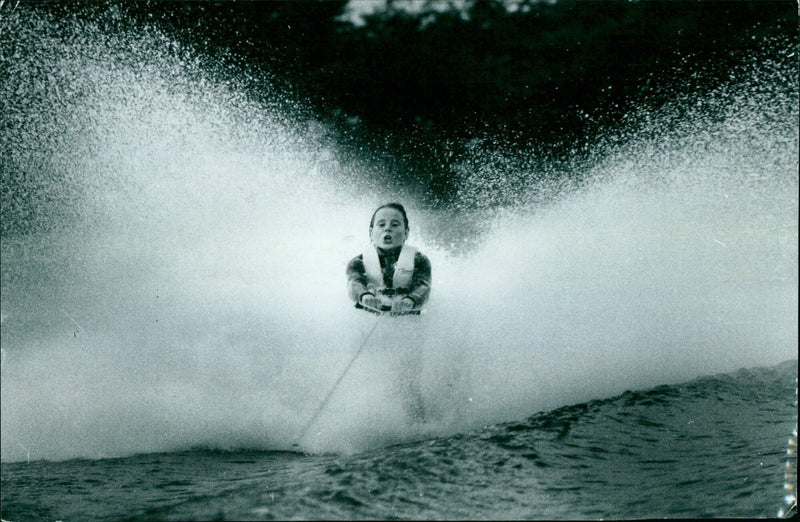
x: 403, y: 269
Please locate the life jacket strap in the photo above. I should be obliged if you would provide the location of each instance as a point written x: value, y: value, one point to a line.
x: 403, y: 269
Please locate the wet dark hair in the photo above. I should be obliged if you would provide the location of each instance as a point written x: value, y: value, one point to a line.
x: 395, y: 205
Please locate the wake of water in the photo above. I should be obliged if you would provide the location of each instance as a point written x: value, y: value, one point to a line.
x: 174, y: 251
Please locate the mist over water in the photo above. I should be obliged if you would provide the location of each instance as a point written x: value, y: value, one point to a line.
x: 173, y: 259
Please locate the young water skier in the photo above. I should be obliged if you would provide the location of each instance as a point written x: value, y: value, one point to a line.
x: 392, y: 276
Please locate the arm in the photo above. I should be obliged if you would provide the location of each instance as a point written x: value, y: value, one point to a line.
x: 421, y: 282
x: 356, y: 279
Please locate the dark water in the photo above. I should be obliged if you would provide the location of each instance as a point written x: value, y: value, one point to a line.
x: 174, y: 306
x: 712, y: 447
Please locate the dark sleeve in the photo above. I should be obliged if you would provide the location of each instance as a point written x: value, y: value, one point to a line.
x: 421, y: 282
x: 356, y: 278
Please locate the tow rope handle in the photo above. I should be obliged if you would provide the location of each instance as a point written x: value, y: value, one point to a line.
x: 385, y: 310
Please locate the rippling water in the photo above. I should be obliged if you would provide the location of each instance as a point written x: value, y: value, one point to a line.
x: 712, y: 447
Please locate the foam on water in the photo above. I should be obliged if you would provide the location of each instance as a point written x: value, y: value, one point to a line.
x: 174, y: 252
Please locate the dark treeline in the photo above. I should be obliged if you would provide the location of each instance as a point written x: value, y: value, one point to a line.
x: 545, y: 74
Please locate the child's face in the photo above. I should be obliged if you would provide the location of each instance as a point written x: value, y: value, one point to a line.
x: 388, y: 229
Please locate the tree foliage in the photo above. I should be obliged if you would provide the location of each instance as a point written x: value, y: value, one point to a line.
x: 411, y: 83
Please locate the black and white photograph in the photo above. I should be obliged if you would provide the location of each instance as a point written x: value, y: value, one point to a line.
x: 398, y: 259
